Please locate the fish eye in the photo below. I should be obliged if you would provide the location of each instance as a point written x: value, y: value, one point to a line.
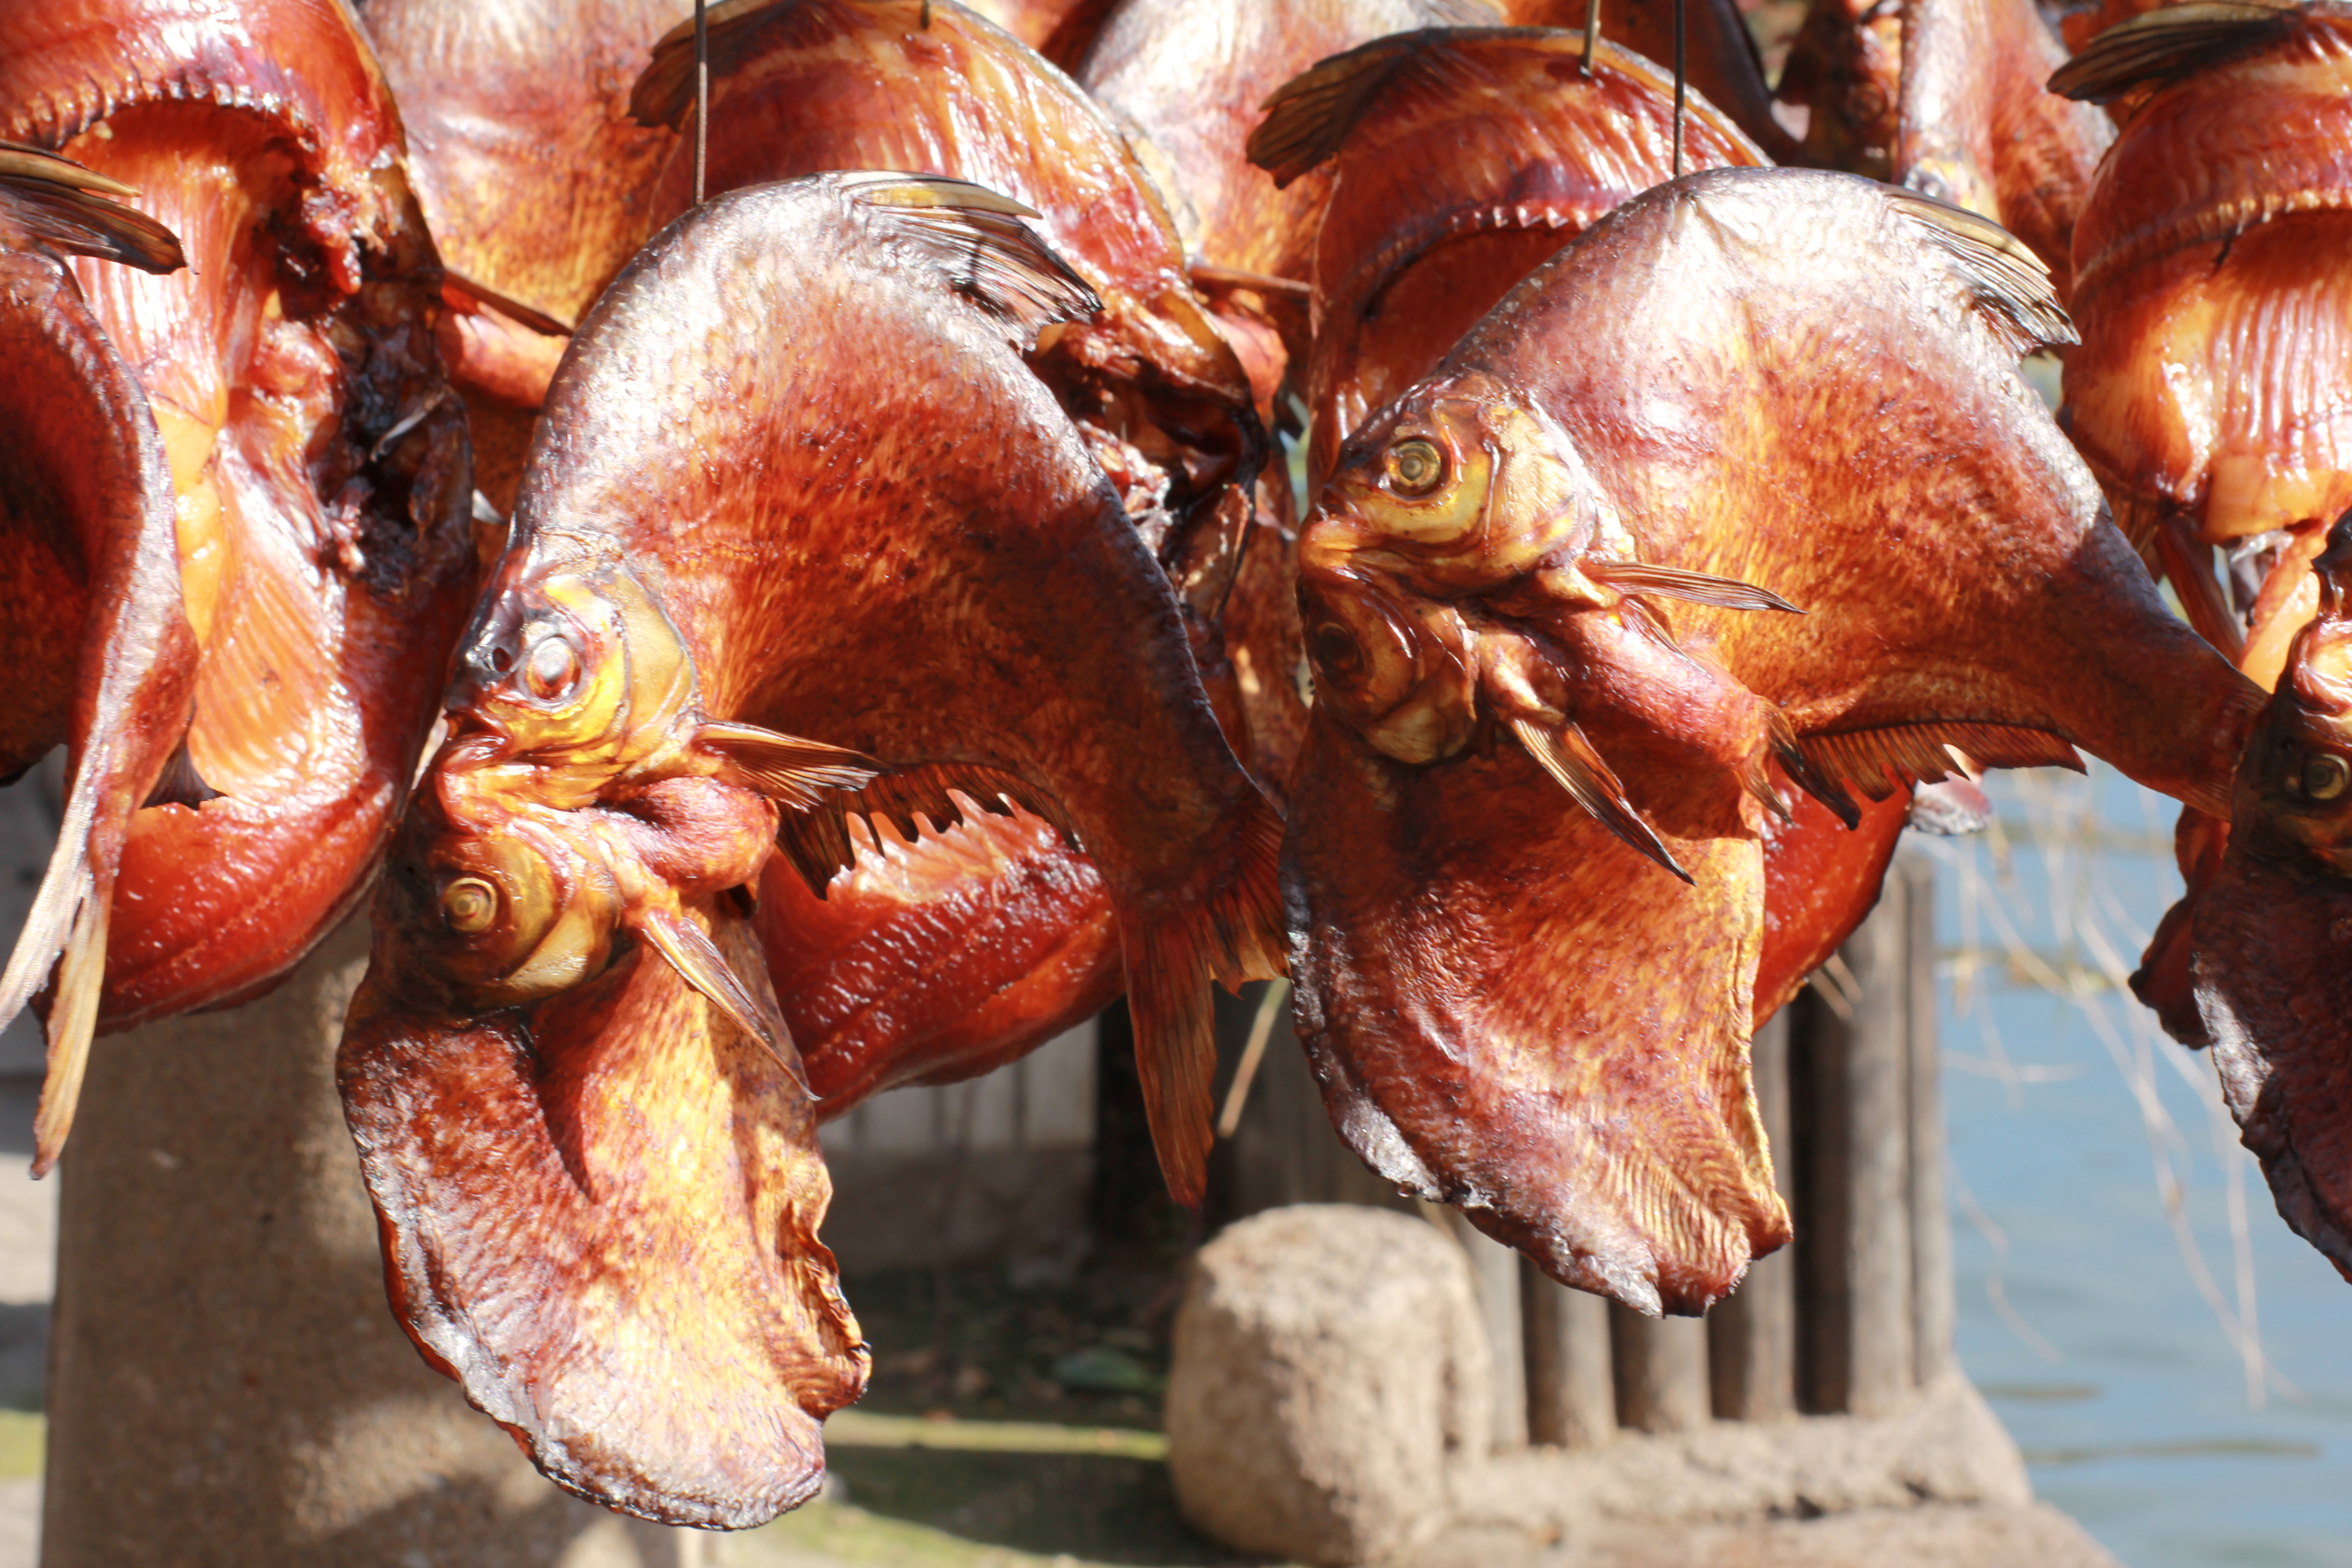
x: 553, y: 668
x: 1415, y: 467
x: 1334, y: 649
x: 468, y: 905
x: 2325, y: 776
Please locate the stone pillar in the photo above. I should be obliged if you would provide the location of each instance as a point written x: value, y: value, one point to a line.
x: 1571, y: 1388
x: 1751, y: 1334
x: 228, y: 1387
x: 1661, y: 1364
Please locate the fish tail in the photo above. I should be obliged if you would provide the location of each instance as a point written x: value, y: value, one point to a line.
x: 1233, y: 935
x: 64, y: 888
x: 73, y: 1018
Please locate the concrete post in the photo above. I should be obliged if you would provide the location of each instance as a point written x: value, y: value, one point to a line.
x: 1660, y: 1364
x: 1571, y: 1389
x: 227, y: 1386
x: 1751, y: 1334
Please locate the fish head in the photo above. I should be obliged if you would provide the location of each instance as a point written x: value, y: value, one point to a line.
x: 576, y: 667
x: 507, y: 916
x: 1462, y: 491
x: 2294, y: 780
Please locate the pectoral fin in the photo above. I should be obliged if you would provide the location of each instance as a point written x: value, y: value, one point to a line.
x: 786, y: 769
x: 1572, y: 763
x: 1674, y: 583
x: 702, y: 966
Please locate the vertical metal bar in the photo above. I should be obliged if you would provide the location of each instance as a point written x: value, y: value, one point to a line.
x: 1592, y: 33
x: 1661, y: 1367
x: 702, y: 97
x: 1751, y: 1344
x: 1680, y: 80
x: 1571, y: 1387
x: 1931, y: 1223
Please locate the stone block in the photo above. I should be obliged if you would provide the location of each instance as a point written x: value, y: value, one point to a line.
x: 1330, y: 1372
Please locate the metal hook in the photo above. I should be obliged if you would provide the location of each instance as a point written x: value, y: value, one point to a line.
x: 702, y: 95
x: 1592, y: 34
x: 1680, y: 75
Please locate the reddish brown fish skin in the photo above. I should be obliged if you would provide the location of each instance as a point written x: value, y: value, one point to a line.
x: 1482, y: 153
x: 1719, y: 55
x: 1542, y: 1015
x: 1190, y: 74
x: 1820, y: 882
x: 218, y: 900
x: 1845, y: 69
x: 1975, y: 128
x: 525, y: 160
x: 2274, y: 929
x: 862, y: 84
x: 950, y: 956
x: 1011, y: 636
x: 1061, y: 30
x: 555, y: 1189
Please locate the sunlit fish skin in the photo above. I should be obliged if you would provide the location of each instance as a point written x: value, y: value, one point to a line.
x: 1478, y: 155
x: 1976, y: 127
x: 802, y: 86
x: 2216, y: 315
x: 794, y: 480
x: 317, y: 461
x: 1547, y: 594
x: 1061, y: 30
x: 2272, y: 930
x: 90, y: 617
x: 1719, y: 55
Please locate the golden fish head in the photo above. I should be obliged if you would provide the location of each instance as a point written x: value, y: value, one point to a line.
x: 579, y: 668
x: 1461, y: 485
x: 1398, y: 670
x: 516, y: 915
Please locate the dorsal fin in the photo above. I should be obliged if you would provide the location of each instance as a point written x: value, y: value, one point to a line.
x: 2006, y: 284
x: 1310, y: 115
x: 64, y: 206
x: 1879, y: 762
x: 2160, y: 46
x: 977, y: 240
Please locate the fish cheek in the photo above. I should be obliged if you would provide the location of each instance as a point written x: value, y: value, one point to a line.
x: 1400, y: 676
x: 520, y: 915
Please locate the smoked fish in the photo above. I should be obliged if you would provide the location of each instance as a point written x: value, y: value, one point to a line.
x: 1581, y: 604
x: 1719, y: 55
x: 793, y: 480
x: 2272, y: 929
x: 89, y: 605
x: 799, y: 86
x: 1478, y: 155
x: 1061, y: 30
x: 318, y: 463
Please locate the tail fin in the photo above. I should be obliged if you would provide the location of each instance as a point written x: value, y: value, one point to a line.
x: 68, y: 921
x: 1235, y: 935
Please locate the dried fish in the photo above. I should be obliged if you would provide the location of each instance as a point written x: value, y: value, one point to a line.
x: 1579, y: 546
x: 317, y: 459
x: 795, y: 480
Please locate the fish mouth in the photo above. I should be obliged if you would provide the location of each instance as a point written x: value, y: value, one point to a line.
x: 1477, y: 963
x: 600, y: 1216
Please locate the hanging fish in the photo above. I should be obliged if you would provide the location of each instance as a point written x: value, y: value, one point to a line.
x: 804, y: 86
x: 1975, y: 126
x: 1845, y: 70
x: 1460, y: 160
x: 533, y: 178
x: 2273, y: 933
x: 1572, y: 564
x: 1720, y: 60
x: 1456, y: 162
x: 794, y: 480
x: 318, y: 464
x: 89, y: 601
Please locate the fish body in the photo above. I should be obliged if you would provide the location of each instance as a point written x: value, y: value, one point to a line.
x: 2216, y: 321
x: 804, y: 86
x: 1563, y: 564
x: 794, y: 479
x: 1061, y: 30
x: 318, y: 465
x: 1719, y: 55
x: 1976, y: 127
x: 2271, y: 927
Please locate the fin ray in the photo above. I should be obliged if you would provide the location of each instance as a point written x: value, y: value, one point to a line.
x: 1878, y: 762
x: 701, y: 964
x: 1569, y: 759
x: 787, y: 769
x: 1675, y: 583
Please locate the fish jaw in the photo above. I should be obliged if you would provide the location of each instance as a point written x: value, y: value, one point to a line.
x: 600, y: 1217
x: 1481, y: 973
